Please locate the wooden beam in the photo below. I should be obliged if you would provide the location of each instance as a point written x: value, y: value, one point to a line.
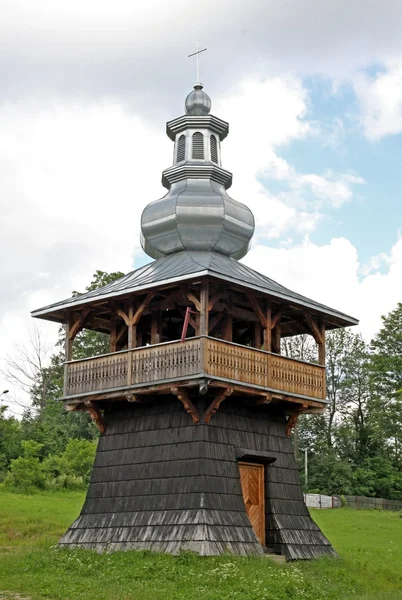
x: 276, y: 339
x: 123, y: 315
x: 228, y: 328
x: 263, y: 399
x: 314, y: 327
x: 215, y: 320
x: 214, y: 299
x: 204, y: 312
x: 142, y: 307
x: 113, y: 331
x: 277, y: 317
x: 190, y: 296
x: 132, y: 329
x: 215, y: 404
x: 185, y: 400
x: 68, y: 346
x: 268, y: 330
x: 321, y: 347
x: 257, y: 308
x: 257, y: 335
x: 95, y: 415
x: 78, y: 323
x: 156, y: 327
x: 291, y: 422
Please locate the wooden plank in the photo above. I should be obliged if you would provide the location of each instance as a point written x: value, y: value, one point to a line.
x: 321, y: 346
x: 215, y: 404
x: 156, y: 327
x: 228, y: 328
x: 268, y: 329
x: 253, y: 488
x: 182, y: 395
x: 204, y: 313
x: 257, y: 308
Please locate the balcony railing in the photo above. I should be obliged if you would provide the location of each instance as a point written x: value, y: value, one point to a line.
x: 194, y: 358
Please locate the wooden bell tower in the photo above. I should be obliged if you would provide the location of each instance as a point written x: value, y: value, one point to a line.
x: 195, y: 402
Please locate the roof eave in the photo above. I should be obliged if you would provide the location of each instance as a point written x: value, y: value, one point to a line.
x: 54, y: 313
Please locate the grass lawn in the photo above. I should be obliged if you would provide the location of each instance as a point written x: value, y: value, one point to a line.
x: 369, y: 542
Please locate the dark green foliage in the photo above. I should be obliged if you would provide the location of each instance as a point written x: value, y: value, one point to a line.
x: 92, y: 343
x: 65, y: 440
x: 25, y: 472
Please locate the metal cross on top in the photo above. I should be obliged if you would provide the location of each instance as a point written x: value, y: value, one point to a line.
x: 197, y: 54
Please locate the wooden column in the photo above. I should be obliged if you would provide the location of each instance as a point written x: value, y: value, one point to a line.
x: 257, y: 335
x: 113, y: 331
x: 321, y: 346
x: 156, y: 327
x: 132, y: 329
x: 68, y: 348
x: 268, y: 329
x: 204, y: 313
x: 228, y: 328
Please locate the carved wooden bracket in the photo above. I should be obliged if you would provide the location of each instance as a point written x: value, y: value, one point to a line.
x: 314, y: 328
x: 214, y: 299
x: 263, y: 399
x: 257, y: 309
x: 215, y: 404
x: 78, y: 323
x: 292, y: 420
x: 133, y: 317
x: 188, y: 405
x: 95, y: 415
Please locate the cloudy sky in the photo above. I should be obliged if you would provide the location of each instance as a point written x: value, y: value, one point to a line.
x: 313, y: 94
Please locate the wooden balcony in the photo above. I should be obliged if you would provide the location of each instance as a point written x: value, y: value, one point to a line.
x: 160, y: 366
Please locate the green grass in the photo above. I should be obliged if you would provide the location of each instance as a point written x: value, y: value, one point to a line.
x: 369, y: 542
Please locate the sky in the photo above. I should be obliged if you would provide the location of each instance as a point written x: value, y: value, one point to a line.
x: 312, y: 91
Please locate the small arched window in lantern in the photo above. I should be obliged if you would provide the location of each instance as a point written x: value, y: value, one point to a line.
x: 181, y: 148
x: 198, y: 146
x: 214, y: 149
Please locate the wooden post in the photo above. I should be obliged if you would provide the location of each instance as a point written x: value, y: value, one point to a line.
x: 204, y: 314
x: 132, y: 329
x: 276, y: 339
x: 321, y: 347
x: 228, y: 328
x: 257, y: 335
x: 268, y: 329
x: 156, y: 332
x: 68, y: 348
x: 113, y: 331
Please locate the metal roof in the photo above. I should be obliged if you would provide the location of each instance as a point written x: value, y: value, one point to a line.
x: 184, y: 266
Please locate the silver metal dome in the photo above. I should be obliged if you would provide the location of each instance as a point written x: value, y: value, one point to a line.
x: 197, y: 214
x: 198, y: 102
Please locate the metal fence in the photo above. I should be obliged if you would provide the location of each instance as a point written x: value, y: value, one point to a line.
x: 358, y: 502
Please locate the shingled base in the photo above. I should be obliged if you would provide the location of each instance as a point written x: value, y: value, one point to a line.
x: 162, y: 483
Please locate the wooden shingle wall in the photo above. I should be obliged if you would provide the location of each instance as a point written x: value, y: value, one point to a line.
x: 161, y: 482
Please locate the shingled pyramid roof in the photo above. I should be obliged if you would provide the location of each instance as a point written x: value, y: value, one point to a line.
x: 184, y: 266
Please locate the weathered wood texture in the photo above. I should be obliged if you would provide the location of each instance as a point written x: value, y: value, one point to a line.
x: 163, y: 483
x: 252, y: 485
x: 196, y: 356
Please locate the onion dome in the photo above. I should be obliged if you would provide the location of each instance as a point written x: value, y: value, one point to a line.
x: 198, y: 102
x: 197, y: 214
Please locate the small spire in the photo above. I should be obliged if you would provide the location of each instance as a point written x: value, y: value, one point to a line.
x: 197, y: 54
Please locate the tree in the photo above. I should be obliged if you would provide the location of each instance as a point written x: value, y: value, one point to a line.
x: 386, y: 382
x: 26, y: 368
x: 92, y: 343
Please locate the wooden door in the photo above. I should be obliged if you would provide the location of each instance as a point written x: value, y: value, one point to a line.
x: 252, y: 483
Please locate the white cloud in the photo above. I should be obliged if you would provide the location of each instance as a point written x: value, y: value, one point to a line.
x: 380, y: 100
x: 331, y: 274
